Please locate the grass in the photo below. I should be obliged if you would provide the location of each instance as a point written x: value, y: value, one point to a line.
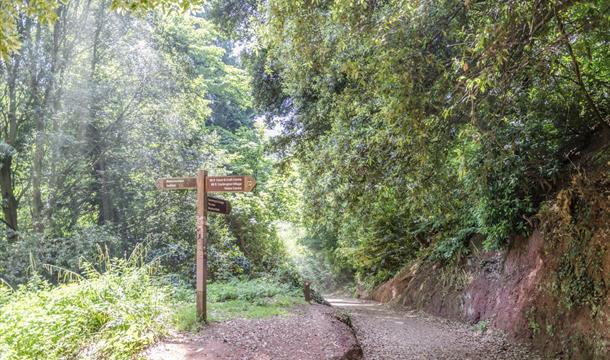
x: 256, y: 298
x: 115, y: 315
x: 481, y: 326
x: 108, y: 316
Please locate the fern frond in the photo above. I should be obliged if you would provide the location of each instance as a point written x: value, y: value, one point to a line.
x: 66, y: 275
x: 5, y: 283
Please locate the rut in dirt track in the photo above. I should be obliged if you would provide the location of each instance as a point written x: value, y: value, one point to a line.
x: 386, y: 333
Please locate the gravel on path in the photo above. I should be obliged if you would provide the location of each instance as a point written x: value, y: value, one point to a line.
x: 308, y: 332
x: 387, y: 333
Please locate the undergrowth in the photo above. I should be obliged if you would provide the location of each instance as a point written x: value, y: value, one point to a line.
x: 117, y: 312
x: 110, y: 315
x: 575, y: 228
x: 571, y: 225
x: 235, y: 299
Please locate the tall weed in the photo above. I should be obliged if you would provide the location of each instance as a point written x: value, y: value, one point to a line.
x: 110, y: 315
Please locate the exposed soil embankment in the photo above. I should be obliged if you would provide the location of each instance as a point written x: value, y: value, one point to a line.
x: 308, y: 332
x: 551, y: 289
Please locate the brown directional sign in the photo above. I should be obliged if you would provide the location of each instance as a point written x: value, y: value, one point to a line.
x: 219, y: 205
x: 204, y: 184
x: 176, y: 183
x: 230, y: 183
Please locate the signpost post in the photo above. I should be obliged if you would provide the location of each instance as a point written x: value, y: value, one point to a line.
x: 202, y: 244
x: 204, y: 184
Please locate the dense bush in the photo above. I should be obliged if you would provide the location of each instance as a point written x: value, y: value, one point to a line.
x: 110, y: 315
x: 250, y: 290
x: 115, y: 313
x: 19, y: 260
x: 413, y: 121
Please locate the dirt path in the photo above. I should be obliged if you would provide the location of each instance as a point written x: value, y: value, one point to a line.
x: 310, y: 332
x: 385, y: 333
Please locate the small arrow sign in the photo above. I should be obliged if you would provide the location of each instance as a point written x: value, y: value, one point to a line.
x: 176, y: 183
x: 230, y: 183
x: 219, y: 205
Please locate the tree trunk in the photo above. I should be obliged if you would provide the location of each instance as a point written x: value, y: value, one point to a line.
x: 96, y: 145
x: 49, y: 105
x: 106, y: 214
x: 37, y: 161
x: 9, y: 202
x: 64, y: 46
x: 40, y: 105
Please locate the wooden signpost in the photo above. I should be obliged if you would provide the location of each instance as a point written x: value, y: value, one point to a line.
x: 204, y: 184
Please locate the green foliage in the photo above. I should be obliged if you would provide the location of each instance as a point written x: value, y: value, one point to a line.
x: 5, y: 292
x: 21, y: 259
x: 47, y: 13
x: 254, y: 298
x: 578, y: 283
x: 12, y: 11
x: 107, y: 105
x: 481, y: 326
x: 411, y: 122
x: 185, y: 318
x: 214, y: 89
x: 580, y: 279
x: 534, y: 327
x: 147, y: 5
x: 251, y: 290
x: 263, y: 307
x: 453, y: 247
x: 311, y: 265
x: 575, y: 229
x: 112, y: 315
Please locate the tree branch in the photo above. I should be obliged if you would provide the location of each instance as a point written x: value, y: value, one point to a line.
x: 576, y: 66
